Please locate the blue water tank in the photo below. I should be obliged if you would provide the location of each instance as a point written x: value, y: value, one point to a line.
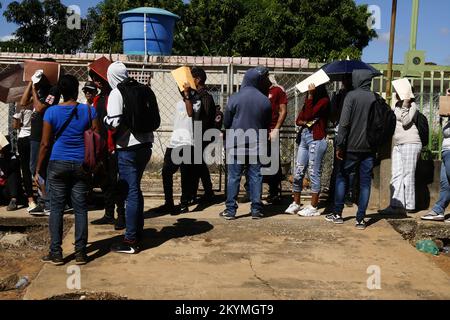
x: 160, y: 25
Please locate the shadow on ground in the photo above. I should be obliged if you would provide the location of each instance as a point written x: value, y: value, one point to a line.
x: 152, y: 238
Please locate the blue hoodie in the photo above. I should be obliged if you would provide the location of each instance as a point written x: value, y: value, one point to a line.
x: 249, y: 108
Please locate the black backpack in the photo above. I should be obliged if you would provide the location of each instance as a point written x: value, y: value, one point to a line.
x: 421, y: 123
x: 381, y: 123
x: 140, y: 112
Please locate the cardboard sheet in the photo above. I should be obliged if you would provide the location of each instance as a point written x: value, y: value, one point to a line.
x: 403, y: 88
x: 183, y: 75
x: 318, y: 78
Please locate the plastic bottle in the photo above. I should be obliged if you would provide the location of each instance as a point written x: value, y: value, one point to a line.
x: 427, y: 246
x: 22, y: 283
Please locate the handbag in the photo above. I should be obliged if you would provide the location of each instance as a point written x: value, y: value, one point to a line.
x: 94, y: 144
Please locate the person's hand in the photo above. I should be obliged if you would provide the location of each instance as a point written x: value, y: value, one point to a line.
x: 274, y: 134
x: 311, y: 90
x: 340, y: 154
x: 301, y: 123
x: 36, y: 180
x: 187, y: 87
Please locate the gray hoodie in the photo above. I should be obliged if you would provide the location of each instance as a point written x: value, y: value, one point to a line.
x: 352, y: 136
x: 117, y: 73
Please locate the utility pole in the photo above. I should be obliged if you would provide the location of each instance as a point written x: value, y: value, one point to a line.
x: 414, y: 25
x: 391, y: 52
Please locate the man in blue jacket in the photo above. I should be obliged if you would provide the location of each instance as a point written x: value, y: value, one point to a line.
x: 247, y: 120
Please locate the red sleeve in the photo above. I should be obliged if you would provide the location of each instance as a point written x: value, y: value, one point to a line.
x: 283, y: 99
x: 310, y: 111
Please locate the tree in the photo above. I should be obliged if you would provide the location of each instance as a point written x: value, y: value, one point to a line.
x: 43, y: 24
x: 319, y: 30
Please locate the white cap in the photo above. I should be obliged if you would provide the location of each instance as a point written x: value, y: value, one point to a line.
x: 37, y: 76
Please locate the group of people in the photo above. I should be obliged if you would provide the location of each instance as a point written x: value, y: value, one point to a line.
x: 51, y: 147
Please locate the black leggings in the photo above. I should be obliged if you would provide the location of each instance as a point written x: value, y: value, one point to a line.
x: 23, y: 145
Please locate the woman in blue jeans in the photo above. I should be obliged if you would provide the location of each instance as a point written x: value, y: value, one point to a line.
x: 64, y: 127
x: 313, y: 120
x: 438, y: 212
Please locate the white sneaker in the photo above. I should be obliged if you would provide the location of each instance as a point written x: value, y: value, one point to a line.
x: 309, y: 211
x: 294, y: 208
x: 433, y: 216
x: 31, y: 206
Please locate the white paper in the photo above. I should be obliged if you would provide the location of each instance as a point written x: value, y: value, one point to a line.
x: 318, y: 78
x: 403, y: 88
x: 3, y: 141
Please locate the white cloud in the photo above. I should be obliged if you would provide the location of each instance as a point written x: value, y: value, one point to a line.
x: 445, y: 31
x: 7, y: 38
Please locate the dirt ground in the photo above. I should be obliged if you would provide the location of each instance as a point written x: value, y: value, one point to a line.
x: 201, y: 256
x: 26, y: 259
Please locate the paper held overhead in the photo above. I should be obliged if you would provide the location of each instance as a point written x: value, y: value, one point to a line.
x: 3, y: 141
x: 183, y: 75
x: 403, y: 88
x: 318, y: 78
x: 444, y: 106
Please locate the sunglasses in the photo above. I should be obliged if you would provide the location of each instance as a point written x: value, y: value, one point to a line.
x: 89, y: 91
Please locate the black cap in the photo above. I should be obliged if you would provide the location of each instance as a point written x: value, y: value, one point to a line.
x: 90, y: 85
x: 199, y: 73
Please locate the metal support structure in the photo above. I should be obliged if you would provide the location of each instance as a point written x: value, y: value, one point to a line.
x: 414, y: 25
x: 391, y: 53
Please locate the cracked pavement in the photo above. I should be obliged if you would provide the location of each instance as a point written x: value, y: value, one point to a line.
x: 200, y: 256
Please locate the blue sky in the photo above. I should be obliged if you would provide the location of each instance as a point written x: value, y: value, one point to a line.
x: 434, y: 29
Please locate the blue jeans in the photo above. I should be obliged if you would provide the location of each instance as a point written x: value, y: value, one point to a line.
x: 235, y: 172
x: 444, y: 195
x: 352, y: 160
x: 65, y: 177
x: 309, y: 157
x: 132, y: 164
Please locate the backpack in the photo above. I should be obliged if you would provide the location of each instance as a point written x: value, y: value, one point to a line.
x: 421, y: 123
x: 140, y: 112
x: 381, y: 123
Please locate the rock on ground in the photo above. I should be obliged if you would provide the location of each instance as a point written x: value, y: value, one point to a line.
x: 16, y: 239
x: 8, y: 283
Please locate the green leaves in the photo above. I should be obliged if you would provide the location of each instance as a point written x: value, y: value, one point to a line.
x: 320, y: 30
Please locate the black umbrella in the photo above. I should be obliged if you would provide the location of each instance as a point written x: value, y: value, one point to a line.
x: 338, y: 69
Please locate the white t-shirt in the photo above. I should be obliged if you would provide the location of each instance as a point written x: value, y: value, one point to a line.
x: 25, y: 119
x: 182, y: 134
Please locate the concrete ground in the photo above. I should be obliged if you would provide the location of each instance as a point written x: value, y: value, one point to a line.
x: 201, y: 256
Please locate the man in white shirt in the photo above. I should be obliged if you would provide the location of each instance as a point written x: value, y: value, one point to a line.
x: 180, y: 147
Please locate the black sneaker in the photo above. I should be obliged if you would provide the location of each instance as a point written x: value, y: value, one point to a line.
x: 227, y: 216
x: 104, y: 221
x: 37, y: 211
x: 126, y: 247
x: 361, y: 225
x: 335, y: 218
x: 55, y: 259
x: 81, y: 258
x: 120, y: 223
x: 12, y: 205
x: 207, y: 198
x: 274, y: 199
x: 349, y: 201
x: 257, y: 216
x: 183, y: 208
